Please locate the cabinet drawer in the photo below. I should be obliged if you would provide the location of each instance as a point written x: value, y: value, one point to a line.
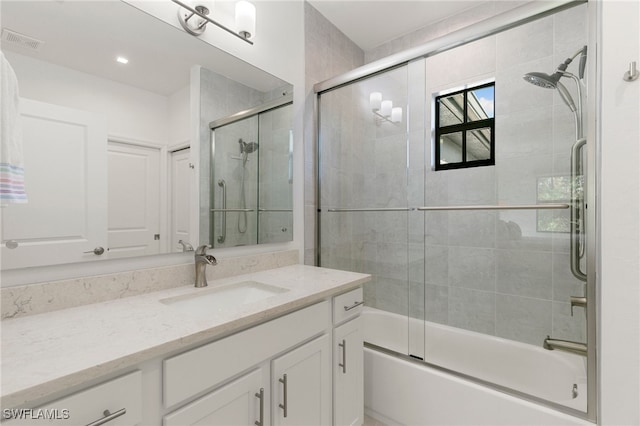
x: 122, y: 397
x: 347, y: 305
x: 202, y: 368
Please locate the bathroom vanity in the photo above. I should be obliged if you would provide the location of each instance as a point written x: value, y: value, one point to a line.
x: 283, y: 348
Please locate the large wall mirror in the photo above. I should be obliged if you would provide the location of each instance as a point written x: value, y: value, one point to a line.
x: 109, y: 151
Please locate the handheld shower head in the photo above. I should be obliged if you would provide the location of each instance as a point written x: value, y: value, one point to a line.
x: 547, y: 81
x: 541, y: 79
x: 247, y: 147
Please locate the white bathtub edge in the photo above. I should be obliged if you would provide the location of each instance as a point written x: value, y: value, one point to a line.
x: 413, y: 394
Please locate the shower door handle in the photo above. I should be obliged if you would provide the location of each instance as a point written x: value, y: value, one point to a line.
x: 223, y: 219
x: 577, y: 211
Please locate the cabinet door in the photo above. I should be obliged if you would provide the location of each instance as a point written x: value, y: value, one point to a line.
x: 348, y: 384
x: 302, y: 385
x: 237, y: 403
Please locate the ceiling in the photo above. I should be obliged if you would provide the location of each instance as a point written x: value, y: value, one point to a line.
x: 88, y: 36
x: 95, y: 32
x: 370, y: 23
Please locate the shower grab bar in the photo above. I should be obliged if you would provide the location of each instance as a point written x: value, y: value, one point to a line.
x: 498, y: 207
x: 275, y: 210
x: 387, y: 209
x: 232, y: 210
x: 577, y: 211
x: 223, y: 220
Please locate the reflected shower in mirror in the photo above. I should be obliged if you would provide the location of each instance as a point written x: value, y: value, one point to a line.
x: 110, y: 159
x: 251, y: 176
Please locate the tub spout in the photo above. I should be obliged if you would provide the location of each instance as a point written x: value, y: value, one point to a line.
x: 565, y: 345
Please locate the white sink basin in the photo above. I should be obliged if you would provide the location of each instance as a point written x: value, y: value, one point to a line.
x: 223, y: 298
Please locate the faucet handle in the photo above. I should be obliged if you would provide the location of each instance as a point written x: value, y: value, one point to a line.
x: 202, y: 250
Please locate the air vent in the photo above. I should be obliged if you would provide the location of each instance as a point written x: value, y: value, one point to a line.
x: 22, y: 40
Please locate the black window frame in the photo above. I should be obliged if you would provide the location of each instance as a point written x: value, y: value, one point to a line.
x: 463, y: 128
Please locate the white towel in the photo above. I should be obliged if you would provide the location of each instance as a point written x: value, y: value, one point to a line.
x: 12, y: 188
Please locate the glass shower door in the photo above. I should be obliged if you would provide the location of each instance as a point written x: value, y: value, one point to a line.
x: 364, y: 214
x: 234, y: 184
x: 499, y: 285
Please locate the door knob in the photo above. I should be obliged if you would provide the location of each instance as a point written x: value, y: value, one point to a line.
x: 97, y: 251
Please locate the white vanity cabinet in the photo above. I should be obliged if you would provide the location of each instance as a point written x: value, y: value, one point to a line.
x: 265, y: 372
x: 348, y: 361
x: 303, y: 367
x: 116, y: 402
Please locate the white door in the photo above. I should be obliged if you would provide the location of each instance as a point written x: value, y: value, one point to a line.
x: 348, y: 370
x: 134, y: 200
x: 240, y: 403
x: 301, y: 385
x: 66, y: 183
x: 180, y: 182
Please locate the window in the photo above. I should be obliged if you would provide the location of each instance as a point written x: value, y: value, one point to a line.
x: 465, y: 128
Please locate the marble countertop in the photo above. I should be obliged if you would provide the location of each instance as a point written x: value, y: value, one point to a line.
x: 46, y: 353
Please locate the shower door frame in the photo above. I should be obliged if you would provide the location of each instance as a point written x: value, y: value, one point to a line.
x: 491, y: 26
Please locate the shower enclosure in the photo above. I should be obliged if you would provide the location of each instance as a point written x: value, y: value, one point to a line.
x: 251, y: 176
x: 459, y: 187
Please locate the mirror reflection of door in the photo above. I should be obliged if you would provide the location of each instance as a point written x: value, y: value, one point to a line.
x: 65, y: 178
x: 180, y: 199
x: 134, y: 200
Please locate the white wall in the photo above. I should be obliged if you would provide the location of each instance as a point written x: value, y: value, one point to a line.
x: 619, y: 272
x: 130, y: 112
x: 179, y: 116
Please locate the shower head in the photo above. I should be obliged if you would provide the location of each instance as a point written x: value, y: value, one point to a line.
x: 247, y: 147
x: 541, y: 79
x: 547, y: 81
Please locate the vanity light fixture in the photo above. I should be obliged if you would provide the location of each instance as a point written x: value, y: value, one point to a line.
x: 122, y: 60
x: 383, y: 110
x: 194, y: 19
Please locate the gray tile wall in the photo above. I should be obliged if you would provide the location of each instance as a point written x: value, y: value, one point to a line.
x: 328, y: 52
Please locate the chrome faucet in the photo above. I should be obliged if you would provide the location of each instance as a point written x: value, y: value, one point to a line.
x: 185, y: 246
x: 203, y: 259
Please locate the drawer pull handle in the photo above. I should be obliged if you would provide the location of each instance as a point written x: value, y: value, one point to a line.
x: 343, y: 345
x: 355, y: 305
x: 260, y: 396
x: 284, y: 404
x: 108, y: 416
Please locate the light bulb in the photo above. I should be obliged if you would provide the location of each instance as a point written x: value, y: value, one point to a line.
x: 385, y: 108
x: 396, y: 115
x: 375, y: 100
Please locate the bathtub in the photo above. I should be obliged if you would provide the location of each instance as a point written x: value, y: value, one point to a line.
x: 400, y: 391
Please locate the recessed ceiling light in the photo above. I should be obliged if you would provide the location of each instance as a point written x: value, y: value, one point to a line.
x: 122, y: 60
